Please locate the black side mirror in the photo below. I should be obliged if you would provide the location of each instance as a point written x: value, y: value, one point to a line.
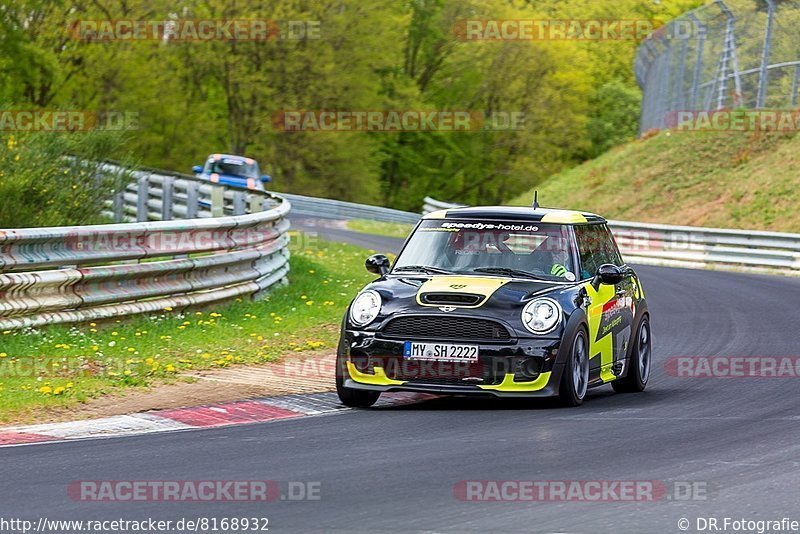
x: 608, y: 274
x: 197, y: 169
x: 266, y: 178
x: 378, y: 264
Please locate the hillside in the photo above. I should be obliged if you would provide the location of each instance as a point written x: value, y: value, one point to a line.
x: 720, y: 179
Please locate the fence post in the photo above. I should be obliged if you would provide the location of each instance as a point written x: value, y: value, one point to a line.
x: 665, y: 68
x: 681, y: 75
x: 698, y: 64
x: 763, y: 78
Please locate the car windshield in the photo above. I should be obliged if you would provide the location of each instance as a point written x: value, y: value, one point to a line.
x: 232, y: 168
x: 517, y: 249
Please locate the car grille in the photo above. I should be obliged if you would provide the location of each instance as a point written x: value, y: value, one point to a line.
x: 437, y: 327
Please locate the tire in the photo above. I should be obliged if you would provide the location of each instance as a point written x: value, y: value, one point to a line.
x: 575, y: 379
x: 352, y: 398
x: 641, y: 361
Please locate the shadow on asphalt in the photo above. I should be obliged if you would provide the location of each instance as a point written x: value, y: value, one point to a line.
x: 603, y: 398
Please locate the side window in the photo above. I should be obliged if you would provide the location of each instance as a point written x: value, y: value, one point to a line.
x: 586, y: 250
x: 610, y: 246
x: 596, y: 247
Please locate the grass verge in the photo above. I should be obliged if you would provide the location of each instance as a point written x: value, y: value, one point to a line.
x: 380, y: 228
x: 721, y: 179
x: 61, y: 366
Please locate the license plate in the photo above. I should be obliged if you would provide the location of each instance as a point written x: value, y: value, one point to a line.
x: 445, y: 352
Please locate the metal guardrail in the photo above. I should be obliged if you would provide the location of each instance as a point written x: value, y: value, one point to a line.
x: 235, y: 201
x: 336, y: 209
x: 71, y: 274
x: 431, y: 205
x: 692, y: 246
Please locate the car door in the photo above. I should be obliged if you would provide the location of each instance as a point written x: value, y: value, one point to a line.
x: 625, y: 299
x: 609, y: 310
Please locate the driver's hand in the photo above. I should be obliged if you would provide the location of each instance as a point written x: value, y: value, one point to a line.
x: 558, y: 270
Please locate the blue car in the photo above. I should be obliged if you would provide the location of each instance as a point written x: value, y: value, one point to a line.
x: 237, y: 171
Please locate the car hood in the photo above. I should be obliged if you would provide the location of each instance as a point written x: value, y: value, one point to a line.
x: 470, y: 294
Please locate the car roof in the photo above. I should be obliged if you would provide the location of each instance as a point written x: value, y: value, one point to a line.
x: 517, y: 213
x: 244, y: 159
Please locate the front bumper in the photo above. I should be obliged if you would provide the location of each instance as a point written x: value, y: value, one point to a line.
x: 523, y: 367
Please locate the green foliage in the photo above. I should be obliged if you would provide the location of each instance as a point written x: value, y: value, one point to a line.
x: 614, y: 118
x: 40, y: 187
x: 196, y: 98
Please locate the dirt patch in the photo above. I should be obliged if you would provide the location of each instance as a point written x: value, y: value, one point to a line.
x: 308, y: 373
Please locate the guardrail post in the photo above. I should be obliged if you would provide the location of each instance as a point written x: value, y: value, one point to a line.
x: 795, y: 81
x: 119, y: 206
x: 192, y: 199
x: 217, y: 201
x: 143, y: 195
x: 256, y: 204
x: 167, y: 189
x: 239, y: 203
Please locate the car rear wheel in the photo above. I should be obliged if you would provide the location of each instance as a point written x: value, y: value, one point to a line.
x: 353, y: 398
x: 641, y: 359
x: 575, y: 379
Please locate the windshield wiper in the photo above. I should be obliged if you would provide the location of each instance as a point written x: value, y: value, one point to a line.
x: 506, y: 271
x: 423, y: 269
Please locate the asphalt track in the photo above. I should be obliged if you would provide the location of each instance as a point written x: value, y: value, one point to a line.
x: 394, y: 469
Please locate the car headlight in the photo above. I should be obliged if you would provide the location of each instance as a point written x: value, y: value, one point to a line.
x: 541, y: 315
x: 365, y: 308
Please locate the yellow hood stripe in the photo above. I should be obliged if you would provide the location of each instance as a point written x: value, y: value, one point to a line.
x: 476, y: 285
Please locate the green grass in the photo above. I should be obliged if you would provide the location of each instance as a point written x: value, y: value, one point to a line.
x: 720, y: 179
x: 380, y: 228
x: 76, y: 363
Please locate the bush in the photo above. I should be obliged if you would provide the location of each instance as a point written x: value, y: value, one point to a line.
x: 614, y: 119
x: 41, y: 186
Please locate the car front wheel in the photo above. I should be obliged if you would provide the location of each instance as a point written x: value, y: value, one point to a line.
x: 575, y: 379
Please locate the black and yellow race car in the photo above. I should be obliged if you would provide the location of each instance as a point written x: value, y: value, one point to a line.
x: 504, y: 301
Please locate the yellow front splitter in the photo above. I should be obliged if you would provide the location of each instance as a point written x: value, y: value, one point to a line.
x: 379, y: 378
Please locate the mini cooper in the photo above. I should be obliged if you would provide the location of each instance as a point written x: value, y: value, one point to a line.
x: 503, y: 301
